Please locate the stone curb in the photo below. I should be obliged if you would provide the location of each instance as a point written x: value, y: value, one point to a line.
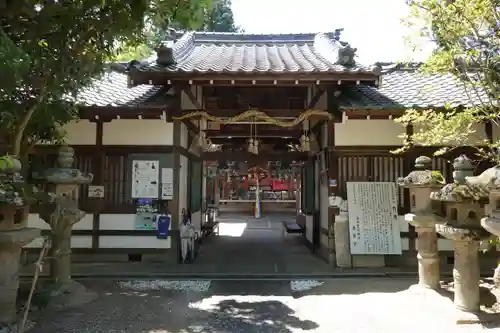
x: 256, y: 276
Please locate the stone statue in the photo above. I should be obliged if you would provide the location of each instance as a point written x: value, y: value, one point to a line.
x: 187, y: 234
x: 346, y: 55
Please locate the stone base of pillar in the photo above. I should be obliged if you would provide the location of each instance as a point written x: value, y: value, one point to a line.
x: 466, y: 275
x: 464, y: 318
x: 428, y: 271
x: 342, y: 242
x: 11, y: 243
x: 60, y: 297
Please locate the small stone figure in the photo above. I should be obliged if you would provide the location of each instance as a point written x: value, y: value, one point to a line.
x: 187, y: 234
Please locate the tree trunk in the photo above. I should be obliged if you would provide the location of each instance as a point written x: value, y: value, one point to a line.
x: 60, y: 264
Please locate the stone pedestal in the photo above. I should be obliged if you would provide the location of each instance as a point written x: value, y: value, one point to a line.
x: 427, y: 250
x: 466, y: 275
x: 342, y: 247
x: 11, y: 243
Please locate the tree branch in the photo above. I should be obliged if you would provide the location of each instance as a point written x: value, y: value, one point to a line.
x: 23, y: 123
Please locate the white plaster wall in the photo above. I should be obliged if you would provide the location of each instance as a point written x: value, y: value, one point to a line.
x: 133, y: 242
x: 77, y: 242
x: 127, y: 222
x: 34, y: 221
x: 360, y: 132
x: 184, y: 136
x: 117, y: 222
x: 79, y: 132
x: 384, y: 132
x: 140, y: 132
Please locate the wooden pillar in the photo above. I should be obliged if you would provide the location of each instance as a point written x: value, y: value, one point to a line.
x: 332, y: 180
x: 409, y: 161
x: 98, y: 169
x: 173, y: 204
x: 488, y: 129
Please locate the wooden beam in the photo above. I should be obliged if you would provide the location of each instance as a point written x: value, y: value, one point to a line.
x: 264, y: 156
x: 225, y: 132
x: 189, y: 124
x: 228, y: 113
x: 242, y: 144
x: 110, y: 112
x: 488, y: 129
x: 163, y: 78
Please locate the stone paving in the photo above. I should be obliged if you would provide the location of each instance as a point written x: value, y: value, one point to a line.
x: 342, y: 305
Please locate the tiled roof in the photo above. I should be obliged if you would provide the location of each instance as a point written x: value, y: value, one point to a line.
x: 112, y: 90
x: 406, y: 87
x: 202, y: 52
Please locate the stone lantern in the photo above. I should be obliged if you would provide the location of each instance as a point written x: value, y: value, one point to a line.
x: 492, y: 220
x: 64, y: 181
x: 421, y: 183
x: 14, y: 234
x: 460, y: 210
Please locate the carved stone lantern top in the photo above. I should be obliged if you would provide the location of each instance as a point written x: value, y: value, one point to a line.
x: 461, y: 204
x: 65, y: 173
x: 422, y: 176
x: 462, y: 190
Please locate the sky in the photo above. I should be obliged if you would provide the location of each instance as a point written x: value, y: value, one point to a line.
x: 374, y: 27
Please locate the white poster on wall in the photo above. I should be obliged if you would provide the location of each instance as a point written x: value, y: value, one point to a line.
x: 145, y: 179
x: 373, y: 218
x: 167, y: 183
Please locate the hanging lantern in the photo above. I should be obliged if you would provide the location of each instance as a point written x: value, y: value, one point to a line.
x: 211, y: 171
x: 256, y: 147
x: 250, y: 145
x: 304, y: 143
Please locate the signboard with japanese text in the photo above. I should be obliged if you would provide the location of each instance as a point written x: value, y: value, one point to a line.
x: 373, y: 218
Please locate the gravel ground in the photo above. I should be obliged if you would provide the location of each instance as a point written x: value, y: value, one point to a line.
x: 347, y: 306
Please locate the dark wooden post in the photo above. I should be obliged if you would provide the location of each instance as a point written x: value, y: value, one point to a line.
x: 332, y: 181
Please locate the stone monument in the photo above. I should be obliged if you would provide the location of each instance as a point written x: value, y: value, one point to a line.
x: 341, y: 234
x: 460, y: 211
x: 64, y: 181
x: 421, y: 183
x: 15, y: 197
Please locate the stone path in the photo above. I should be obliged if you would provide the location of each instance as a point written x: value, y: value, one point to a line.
x: 344, y: 305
